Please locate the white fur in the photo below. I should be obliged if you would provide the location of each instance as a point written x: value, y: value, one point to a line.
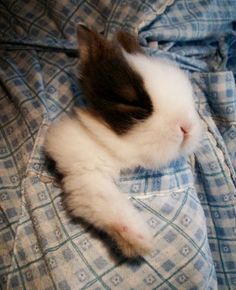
x: 90, y: 154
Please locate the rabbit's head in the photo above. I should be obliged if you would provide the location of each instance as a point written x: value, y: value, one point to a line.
x: 147, y: 102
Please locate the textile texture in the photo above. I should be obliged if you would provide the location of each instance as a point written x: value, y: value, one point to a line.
x: 189, y: 205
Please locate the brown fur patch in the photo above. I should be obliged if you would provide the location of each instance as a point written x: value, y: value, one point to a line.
x: 128, y: 42
x: 112, y: 88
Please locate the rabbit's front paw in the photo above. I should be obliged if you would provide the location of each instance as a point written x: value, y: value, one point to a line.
x: 132, y: 240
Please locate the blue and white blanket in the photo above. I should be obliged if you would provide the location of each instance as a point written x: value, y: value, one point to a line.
x: 190, y: 206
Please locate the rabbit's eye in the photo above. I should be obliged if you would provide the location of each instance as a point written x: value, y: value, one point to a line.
x: 129, y: 93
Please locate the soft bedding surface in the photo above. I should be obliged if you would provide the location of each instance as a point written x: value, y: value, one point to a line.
x: 189, y: 206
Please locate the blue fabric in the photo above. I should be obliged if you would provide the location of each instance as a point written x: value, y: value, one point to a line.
x: 189, y: 206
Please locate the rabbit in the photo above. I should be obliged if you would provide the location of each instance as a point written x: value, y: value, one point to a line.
x: 140, y: 112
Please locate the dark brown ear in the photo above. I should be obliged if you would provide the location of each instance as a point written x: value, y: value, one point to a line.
x: 91, y: 43
x: 129, y: 42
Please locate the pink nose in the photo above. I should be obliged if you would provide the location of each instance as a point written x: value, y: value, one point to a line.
x: 184, y: 130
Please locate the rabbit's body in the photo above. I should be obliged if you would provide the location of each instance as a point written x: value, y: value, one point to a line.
x: 145, y: 116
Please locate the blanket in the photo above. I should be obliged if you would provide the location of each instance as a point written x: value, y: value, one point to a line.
x: 189, y: 205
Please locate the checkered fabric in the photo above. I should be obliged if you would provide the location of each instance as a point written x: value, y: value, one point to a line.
x: 189, y: 206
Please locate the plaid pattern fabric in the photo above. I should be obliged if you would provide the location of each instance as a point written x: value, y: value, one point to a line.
x: 189, y: 206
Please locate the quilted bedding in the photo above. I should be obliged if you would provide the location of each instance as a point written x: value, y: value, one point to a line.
x: 189, y: 206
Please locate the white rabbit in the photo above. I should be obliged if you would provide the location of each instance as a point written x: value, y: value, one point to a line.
x: 140, y: 111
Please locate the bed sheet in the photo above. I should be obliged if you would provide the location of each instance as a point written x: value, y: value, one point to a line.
x: 189, y: 206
